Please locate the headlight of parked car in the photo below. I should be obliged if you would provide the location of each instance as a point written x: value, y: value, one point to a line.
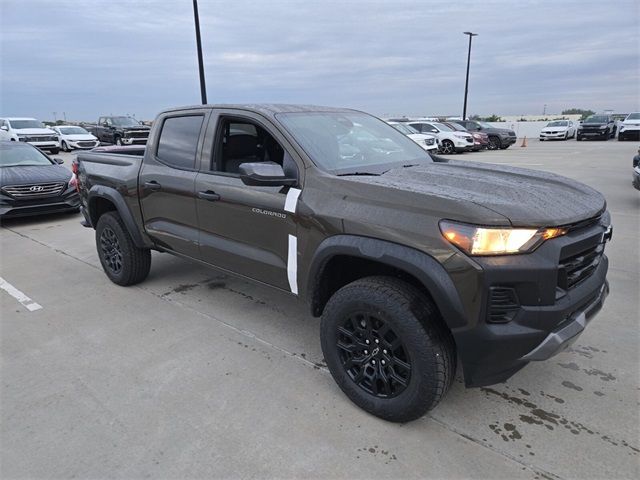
x: 603, y: 127
x: 476, y: 240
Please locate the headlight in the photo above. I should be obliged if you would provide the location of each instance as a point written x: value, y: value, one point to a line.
x: 603, y: 127
x: 476, y: 240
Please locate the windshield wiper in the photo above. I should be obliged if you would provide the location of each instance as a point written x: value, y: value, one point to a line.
x: 359, y: 173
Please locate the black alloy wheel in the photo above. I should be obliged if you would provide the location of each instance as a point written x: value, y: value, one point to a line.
x: 447, y: 147
x: 111, y: 251
x: 494, y: 143
x: 373, y: 355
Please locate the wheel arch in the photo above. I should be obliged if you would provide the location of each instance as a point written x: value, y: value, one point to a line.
x: 103, y: 199
x: 341, y: 259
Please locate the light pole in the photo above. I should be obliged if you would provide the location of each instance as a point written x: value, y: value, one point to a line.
x: 466, y: 84
x: 203, y: 87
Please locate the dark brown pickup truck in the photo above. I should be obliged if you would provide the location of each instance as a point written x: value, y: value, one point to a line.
x: 412, y: 261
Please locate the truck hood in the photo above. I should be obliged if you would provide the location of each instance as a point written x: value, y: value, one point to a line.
x: 525, y: 197
x: 34, y: 131
x: 33, y: 174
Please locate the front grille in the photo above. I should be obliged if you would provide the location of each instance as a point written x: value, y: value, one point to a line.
x: 87, y: 143
x: 137, y: 134
x: 34, y: 190
x: 577, y: 268
x: 40, y: 138
x: 503, y: 304
x: 512, y: 134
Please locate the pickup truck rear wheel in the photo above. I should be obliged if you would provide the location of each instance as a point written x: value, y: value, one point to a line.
x: 123, y: 262
x: 387, y: 349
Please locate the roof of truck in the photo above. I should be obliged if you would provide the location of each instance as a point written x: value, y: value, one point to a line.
x: 269, y: 109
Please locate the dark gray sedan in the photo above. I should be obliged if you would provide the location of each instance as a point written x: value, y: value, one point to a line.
x: 31, y: 183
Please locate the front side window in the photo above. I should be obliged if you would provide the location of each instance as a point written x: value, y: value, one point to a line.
x: 178, y: 141
x: 346, y: 143
x: 242, y: 141
x: 633, y: 116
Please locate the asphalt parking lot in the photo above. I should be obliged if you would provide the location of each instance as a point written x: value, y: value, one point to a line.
x: 194, y: 374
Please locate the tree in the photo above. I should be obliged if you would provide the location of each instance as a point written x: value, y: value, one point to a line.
x: 578, y: 111
x: 493, y: 118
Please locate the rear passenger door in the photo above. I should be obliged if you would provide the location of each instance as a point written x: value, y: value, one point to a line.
x: 247, y: 230
x: 166, y: 182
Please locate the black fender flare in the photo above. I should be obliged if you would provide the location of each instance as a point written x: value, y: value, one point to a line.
x: 111, y: 194
x: 420, y: 265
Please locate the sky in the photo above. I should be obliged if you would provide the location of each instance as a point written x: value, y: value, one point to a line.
x: 88, y: 58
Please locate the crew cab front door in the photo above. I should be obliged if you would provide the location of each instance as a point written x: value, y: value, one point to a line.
x: 246, y: 229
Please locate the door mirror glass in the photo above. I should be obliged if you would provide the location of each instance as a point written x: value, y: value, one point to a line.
x: 265, y: 174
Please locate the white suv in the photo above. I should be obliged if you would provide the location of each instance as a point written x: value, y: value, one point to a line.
x: 31, y: 131
x: 630, y: 128
x: 450, y: 140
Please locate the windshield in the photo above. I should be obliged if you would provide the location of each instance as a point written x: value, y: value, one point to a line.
x: 347, y: 143
x: 442, y: 127
x: 485, y: 125
x: 559, y: 123
x: 597, y: 119
x: 125, y: 121
x: 72, y: 131
x: 26, y: 124
x: 633, y: 116
x: 21, y: 156
x: 456, y: 127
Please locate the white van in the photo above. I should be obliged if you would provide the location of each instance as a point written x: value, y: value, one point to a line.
x: 31, y: 131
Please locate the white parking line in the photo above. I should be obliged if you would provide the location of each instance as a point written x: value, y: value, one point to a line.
x: 19, y: 296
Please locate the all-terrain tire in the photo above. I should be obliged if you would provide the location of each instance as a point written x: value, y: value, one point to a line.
x: 123, y: 262
x: 426, y: 345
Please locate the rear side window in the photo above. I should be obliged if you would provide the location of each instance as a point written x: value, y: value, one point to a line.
x: 179, y: 141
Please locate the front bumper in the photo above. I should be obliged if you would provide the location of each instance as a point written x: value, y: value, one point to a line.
x: 508, y: 140
x: 83, y: 144
x: 553, y: 136
x: 601, y: 134
x: 69, y: 200
x: 545, y: 315
x: 629, y: 134
x: 134, y: 141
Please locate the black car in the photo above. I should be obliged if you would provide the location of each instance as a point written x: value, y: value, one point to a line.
x: 601, y: 127
x: 31, y: 183
x: 499, y: 138
x: 120, y: 130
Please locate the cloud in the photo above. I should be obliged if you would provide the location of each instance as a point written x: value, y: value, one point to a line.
x: 401, y: 57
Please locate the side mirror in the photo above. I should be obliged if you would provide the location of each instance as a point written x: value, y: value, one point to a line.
x: 5, y: 128
x: 59, y: 161
x: 264, y: 174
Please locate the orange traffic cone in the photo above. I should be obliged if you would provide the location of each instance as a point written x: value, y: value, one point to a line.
x: 524, y: 141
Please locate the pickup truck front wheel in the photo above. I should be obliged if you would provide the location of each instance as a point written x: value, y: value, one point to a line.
x: 123, y: 262
x: 386, y: 348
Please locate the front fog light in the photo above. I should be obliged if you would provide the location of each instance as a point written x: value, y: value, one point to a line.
x: 476, y: 240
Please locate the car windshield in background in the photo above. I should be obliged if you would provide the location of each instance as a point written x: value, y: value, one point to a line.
x: 125, y: 122
x: 72, y: 131
x: 26, y: 124
x: 406, y: 129
x: 485, y: 125
x: 352, y: 143
x: 559, y: 123
x: 442, y: 127
x: 456, y: 126
x: 633, y: 116
x: 12, y: 155
x: 597, y: 119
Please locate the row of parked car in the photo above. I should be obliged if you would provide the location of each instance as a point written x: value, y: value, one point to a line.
x: 594, y: 127
x: 454, y: 136
x: 118, y: 130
